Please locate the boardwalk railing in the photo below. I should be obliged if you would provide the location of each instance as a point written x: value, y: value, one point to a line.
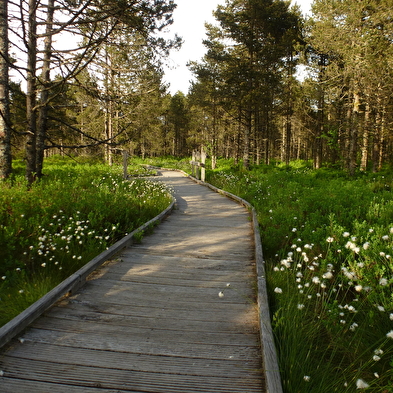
x: 198, y: 164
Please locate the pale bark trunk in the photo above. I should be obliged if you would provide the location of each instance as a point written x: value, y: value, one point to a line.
x: 365, y: 140
x: 5, y: 130
x: 354, y: 133
x: 43, y: 114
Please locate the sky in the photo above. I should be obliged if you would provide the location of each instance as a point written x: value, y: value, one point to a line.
x: 189, y: 23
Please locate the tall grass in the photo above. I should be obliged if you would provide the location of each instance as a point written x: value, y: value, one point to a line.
x: 328, y: 245
x: 50, y: 230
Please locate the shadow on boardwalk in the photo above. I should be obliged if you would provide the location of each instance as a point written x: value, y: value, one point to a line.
x: 151, y: 319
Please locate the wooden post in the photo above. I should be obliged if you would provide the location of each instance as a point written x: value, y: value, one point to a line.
x: 203, y: 162
x: 197, y: 159
x: 198, y: 164
x: 193, y: 163
x: 125, y: 164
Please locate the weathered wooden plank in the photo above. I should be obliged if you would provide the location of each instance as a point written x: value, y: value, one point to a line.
x: 149, y: 270
x: 192, y: 251
x: 136, y: 362
x: 205, y: 292
x: 157, y: 333
x: 129, y: 380
x: 122, y: 342
x: 11, y: 385
x: 226, y: 316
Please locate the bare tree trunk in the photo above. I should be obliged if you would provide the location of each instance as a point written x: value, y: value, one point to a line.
x: 214, y: 136
x: 43, y: 114
x: 365, y: 140
x: 31, y: 94
x: 318, y: 149
x: 382, y: 138
x: 5, y: 129
x: 354, y: 133
x: 246, y: 139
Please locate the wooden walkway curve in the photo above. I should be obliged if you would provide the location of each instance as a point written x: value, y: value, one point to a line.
x: 175, y: 313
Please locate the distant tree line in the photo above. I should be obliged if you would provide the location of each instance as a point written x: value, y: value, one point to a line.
x: 256, y: 107
x: 248, y: 101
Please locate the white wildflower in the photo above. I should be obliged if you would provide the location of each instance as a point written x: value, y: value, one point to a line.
x: 383, y: 281
x: 286, y: 263
x: 277, y: 290
x: 390, y: 334
x: 360, y: 384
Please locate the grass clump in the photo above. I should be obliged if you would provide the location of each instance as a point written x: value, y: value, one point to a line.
x: 64, y: 220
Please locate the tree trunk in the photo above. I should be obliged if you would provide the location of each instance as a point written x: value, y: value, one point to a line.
x: 5, y: 130
x: 354, y: 133
x: 365, y: 140
x: 318, y: 148
x: 246, y: 139
x: 31, y: 94
x: 43, y: 114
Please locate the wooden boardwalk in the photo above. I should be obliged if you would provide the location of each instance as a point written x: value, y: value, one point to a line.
x: 152, y: 319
